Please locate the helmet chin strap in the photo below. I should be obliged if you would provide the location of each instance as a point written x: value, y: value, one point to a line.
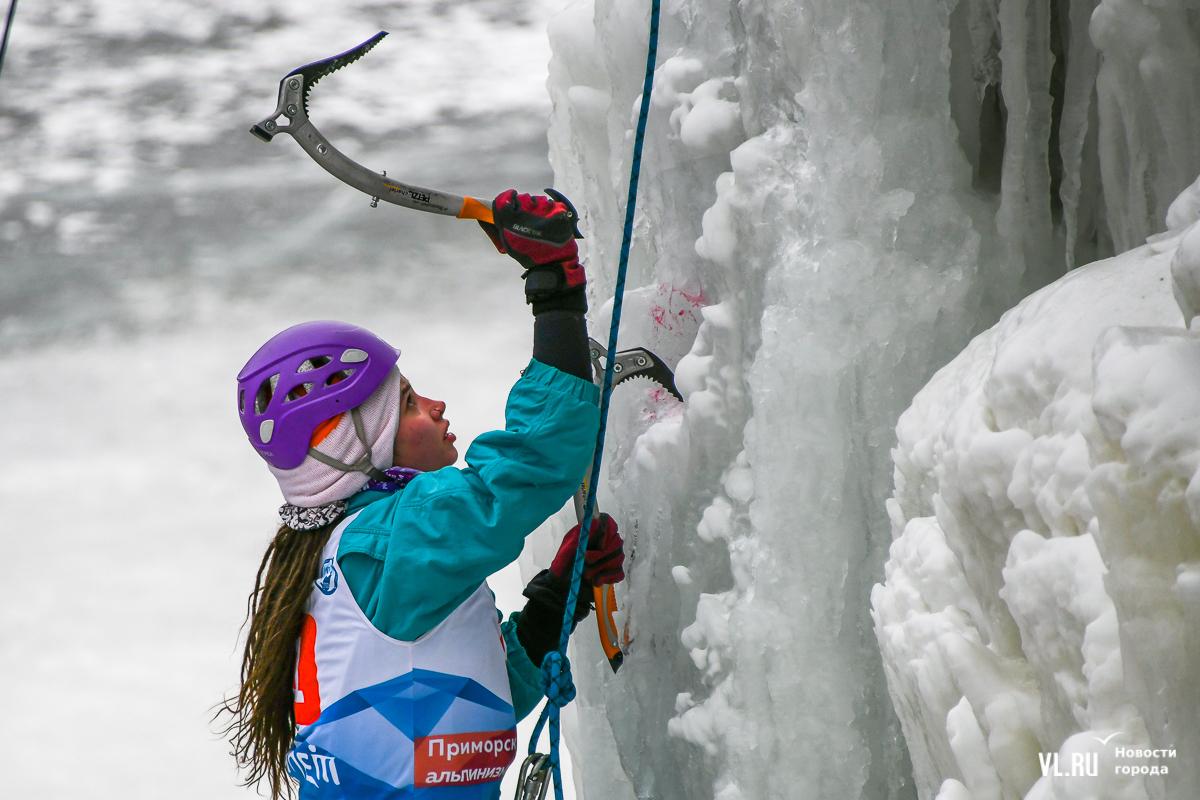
x: 364, y: 464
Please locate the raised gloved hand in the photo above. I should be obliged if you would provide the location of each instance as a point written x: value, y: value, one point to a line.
x: 604, y: 560
x: 540, y: 232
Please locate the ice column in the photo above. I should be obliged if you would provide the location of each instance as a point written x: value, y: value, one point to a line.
x: 1148, y: 93
x: 803, y: 185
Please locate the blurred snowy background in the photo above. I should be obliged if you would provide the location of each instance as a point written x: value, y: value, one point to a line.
x: 148, y: 245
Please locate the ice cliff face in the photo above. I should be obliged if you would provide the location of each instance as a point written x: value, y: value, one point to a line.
x: 835, y: 197
x: 1039, y: 616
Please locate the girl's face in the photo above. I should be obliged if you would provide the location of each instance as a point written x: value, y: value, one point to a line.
x: 423, y: 437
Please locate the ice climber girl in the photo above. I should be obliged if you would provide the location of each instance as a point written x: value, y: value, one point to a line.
x: 375, y: 664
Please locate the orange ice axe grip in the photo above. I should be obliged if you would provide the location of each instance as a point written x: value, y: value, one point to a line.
x: 606, y: 607
x: 474, y: 209
x: 606, y: 602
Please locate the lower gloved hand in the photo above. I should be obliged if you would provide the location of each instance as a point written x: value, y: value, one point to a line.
x: 604, y: 561
x: 540, y: 622
x: 540, y: 232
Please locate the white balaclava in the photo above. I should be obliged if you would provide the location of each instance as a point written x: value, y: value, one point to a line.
x: 314, y: 483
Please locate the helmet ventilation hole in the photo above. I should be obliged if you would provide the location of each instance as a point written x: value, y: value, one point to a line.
x: 266, y: 390
x: 297, y: 392
x: 338, y: 377
x: 241, y: 401
x: 316, y: 362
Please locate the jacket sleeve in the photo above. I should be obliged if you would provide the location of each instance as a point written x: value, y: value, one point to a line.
x: 524, y: 678
x: 450, y: 529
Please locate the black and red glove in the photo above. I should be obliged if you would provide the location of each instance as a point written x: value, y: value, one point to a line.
x: 540, y: 232
x: 539, y: 623
x: 604, y: 560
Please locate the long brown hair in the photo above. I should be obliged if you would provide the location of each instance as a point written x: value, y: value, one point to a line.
x: 264, y: 715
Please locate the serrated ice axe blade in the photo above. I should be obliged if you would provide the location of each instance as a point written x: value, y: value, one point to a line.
x: 637, y: 362
x: 293, y: 107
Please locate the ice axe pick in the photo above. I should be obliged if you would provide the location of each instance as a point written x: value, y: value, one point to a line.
x: 627, y: 364
x: 293, y: 107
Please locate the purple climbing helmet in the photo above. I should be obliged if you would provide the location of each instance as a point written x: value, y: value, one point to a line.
x: 303, y: 376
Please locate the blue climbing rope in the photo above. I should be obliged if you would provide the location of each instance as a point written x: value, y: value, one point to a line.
x: 556, y: 670
x: 12, y: 12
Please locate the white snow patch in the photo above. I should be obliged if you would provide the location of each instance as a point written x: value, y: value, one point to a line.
x: 1058, y: 454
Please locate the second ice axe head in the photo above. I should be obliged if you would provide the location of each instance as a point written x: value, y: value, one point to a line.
x: 637, y: 362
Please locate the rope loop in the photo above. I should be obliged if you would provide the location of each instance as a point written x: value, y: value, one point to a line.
x: 556, y: 679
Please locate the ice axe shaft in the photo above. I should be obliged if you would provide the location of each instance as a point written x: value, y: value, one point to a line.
x: 627, y: 364
x: 293, y: 107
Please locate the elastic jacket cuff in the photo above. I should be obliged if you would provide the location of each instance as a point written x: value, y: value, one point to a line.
x: 540, y: 624
x: 561, y: 381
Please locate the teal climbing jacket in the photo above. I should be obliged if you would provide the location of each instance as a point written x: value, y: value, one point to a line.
x: 412, y: 557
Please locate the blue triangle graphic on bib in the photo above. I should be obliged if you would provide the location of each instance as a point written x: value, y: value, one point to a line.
x: 417, y: 702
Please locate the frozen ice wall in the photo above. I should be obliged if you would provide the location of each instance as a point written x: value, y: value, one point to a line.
x: 835, y: 196
x: 1040, y: 615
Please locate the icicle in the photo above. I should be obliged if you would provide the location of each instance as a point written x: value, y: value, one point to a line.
x: 1024, y: 218
x: 1082, y: 63
x: 1149, y: 92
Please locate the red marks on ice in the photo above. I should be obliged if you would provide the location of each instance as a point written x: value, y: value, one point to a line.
x: 653, y: 408
x: 676, y: 307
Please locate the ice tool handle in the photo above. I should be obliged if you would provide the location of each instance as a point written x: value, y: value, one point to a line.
x: 293, y: 107
x: 627, y: 365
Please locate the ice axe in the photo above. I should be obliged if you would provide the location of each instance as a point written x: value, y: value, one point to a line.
x: 293, y: 106
x: 627, y: 365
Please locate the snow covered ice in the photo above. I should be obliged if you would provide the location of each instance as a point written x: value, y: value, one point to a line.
x: 925, y: 524
x: 1040, y: 594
